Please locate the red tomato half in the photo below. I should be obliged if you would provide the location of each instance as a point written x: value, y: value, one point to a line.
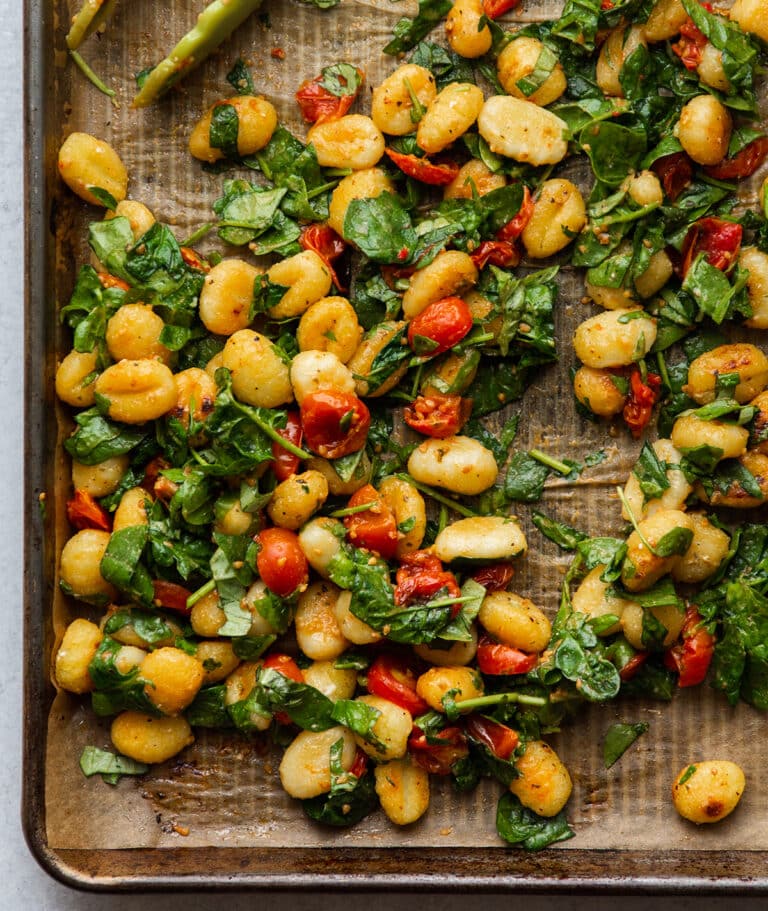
x: 318, y: 104
x: 675, y: 172
x: 495, y: 8
x: 437, y: 758
x: 375, y: 528
x: 171, y: 596
x: 335, y: 423
x: 628, y: 671
x: 438, y: 415
x: 493, y: 658
x: 691, y: 656
x: 642, y: 397
x: 84, y: 512
x: 327, y: 244
x: 500, y: 740
x: 281, y: 562
x: 420, y: 576
x: 286, y: 666
x: 284, y: 463
x: 496, y: 577
x: 719, y: 239
x: 500, y: 253
x: 515, y: 226
x: 424, y: 170
x: 193, y: 259
x: 392, y: 678
x: 112, y: 281
x: 743, y: 163
x: 439, y: 326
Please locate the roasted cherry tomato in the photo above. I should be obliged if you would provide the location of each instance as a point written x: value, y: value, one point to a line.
x: 420, y: 576
x: 286, y: 666
x: 284, y: 463
x: 112, y: 281
x: 675, y: 172
x: 438, y: 415
x: 502, y: 253
x: 193, y: 259
x: 335, y: 423
x: 743, y: 163
x: 690, y: 47
x: 642, y: 397
x: 392, y: 678
x: 493, y: 658
x: 495, y: 8
x: 515, y: 226
x: 317, y: 103
x: 324, y: 241
x: 424, y: 170
x: 496, y: 577
x: 374, y: 528
x: 628, y: 670
x: 281, y: 562
x: 437, y: 758
x: 360, y: 764
x: 171, y: 596
x: 691, y: 656
x: 439, y: 326
x: 719, y: 239
x: 84, y: 512
x: 500, y: 740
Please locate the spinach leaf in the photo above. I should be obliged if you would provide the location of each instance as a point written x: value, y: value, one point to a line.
x: 618, y: 739
x: 114, y: 691
x: 381, y: 228
x: 239, y: 77
x: 121, y: 564
x: 444, y: 64
x: 111, y: 766
x: 578, y: 23
x: 740, y: 662
x: 88, y: 312
x: 565, y: 536
x: 711, y: 289
x: 525, y: 479
x: 613, y: 150
x: 97, y: 438
x: 408, y: 32
x: 306, y: 706
x: 246, y: 211
x: 350, y: 798
x: 224, y: 129
x: 209, y: 708
x: 150, y: 627
x: 518, y: 825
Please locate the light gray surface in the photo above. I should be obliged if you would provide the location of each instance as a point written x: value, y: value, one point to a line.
x: 25, y: 885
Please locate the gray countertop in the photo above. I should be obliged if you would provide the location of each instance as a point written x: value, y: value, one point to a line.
x: 26, y: 885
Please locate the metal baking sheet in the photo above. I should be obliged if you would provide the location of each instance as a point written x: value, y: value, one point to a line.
x: 243, y: 831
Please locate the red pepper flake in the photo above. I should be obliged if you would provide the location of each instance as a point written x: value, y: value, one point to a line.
x: 278, y: 53
x: 403, y: 254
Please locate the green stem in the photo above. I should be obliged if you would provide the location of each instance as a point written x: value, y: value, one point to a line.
x: 198, y: 595
x: 468, y: 705
x: 195, y: 236
x: 663, y: 372
x: 550, y: 462
x: 444, y: 602
x: 628, y: 216
x: 439, y: 498
x: 92, y: 77
x: 417, y: 108
x: 351, y: 510
x: 633, y: 520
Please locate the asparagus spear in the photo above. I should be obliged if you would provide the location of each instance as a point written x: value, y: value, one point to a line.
x: 91, y: 15
x: 214, y: 25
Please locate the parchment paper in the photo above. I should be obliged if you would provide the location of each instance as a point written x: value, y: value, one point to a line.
x: 224, y: 790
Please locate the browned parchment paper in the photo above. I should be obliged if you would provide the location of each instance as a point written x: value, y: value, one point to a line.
x: 225, y: 789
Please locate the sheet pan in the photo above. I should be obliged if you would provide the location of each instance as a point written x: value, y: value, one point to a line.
x: 243, y: 832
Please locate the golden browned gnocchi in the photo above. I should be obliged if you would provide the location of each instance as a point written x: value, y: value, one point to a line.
x: 708, y: 791
x: 522, y: 130
x: 256, y: 122
x: 137, y: 391
x: 544, y: 784
x: 558, y: 214
x: 87, y: 163
x: 459, y: 464
x: 149, y: 739
x: 615, y: 338
x: 518, y: 60
x: 450, y: 115
x: 467, y: 35
x: 394, y: 99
